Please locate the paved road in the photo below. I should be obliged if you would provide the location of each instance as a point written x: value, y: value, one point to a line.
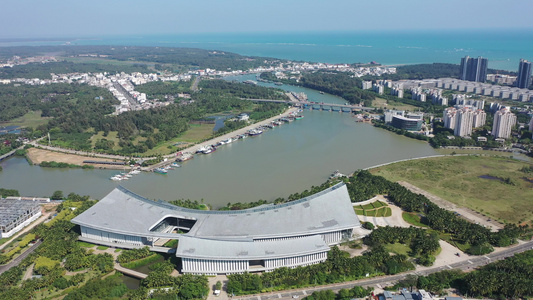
x: 466, y: 264
x: 17, y: 260
x: 194, y: 86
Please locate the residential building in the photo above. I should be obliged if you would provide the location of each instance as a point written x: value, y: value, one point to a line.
x: 474, y: 69
x: 463, y: 122
x: 463, y: 119
x: 449, y: 117
x: 480, y: 117
x: 378, y: 88
x: 524, y: 74
x: 366, y: 85
x: 504, y: 120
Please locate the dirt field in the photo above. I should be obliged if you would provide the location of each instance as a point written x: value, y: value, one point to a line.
x: 37, y: 156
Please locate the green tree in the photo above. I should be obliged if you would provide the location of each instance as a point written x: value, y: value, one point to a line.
x: 57, y: 195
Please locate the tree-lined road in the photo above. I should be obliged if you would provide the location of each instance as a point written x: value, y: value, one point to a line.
x: 465, y: 264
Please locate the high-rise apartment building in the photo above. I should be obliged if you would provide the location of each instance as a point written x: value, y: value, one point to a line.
x: 480, y: 117
x: 463, y: 122
x: 449, y: 116
x: 463, y: 119
x: 474, y: 69
x: 524, y: 74
x: 504, y: 120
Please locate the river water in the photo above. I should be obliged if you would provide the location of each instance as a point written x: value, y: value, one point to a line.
x: 287, y: 159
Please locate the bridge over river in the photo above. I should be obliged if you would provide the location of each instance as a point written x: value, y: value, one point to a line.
x: 318, y: 106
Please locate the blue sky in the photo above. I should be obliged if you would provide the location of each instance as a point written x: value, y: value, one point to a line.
x: 74, y: 18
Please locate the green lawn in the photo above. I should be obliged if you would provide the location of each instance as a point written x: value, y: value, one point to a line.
x: 85, y: 244
x: 378, y: 204
x: 31, y: 119
x: 457, y: 179
x: 413, y: 219
x: 398, y: 248
x: 384, y: 212
x: 102, y: 248
x: 195, y: 134
x: 370, y: 213
x: 376, y: 208
x: 111, y: 136
x: 368, y: 206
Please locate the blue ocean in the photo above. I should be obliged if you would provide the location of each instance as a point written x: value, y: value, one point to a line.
x: 503, y: 48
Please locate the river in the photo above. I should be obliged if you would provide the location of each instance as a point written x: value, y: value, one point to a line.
x: 287, y: 159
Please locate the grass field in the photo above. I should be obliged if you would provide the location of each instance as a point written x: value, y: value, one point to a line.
x: 397, y: 248
x: 31, y: 119
x: 196, y: 133
x: 506, y: 194
x: 382, y: 103
x: 413, y: 219
x: 111, y: 136
x: 374, y: 209
x: 85, y: 244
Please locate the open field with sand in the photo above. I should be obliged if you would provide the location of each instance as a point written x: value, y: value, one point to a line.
x: 494, y: 186
x: 37, y: 156
x: 382, y: 103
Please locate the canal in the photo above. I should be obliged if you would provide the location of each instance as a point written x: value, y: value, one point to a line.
x: 281, y: 161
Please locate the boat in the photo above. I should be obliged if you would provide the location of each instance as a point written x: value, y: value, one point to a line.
x: 336, y: 174
x: 135, y: 172
x: 184, y: 156
x: 227, y: 141
x: 254, y: 132
x: 160, y: 171
x: 210, y: 150
x: 175, y: 165
x: 321, y: 92
x: 250, y: 82
x: 116, y: 178
x: 278, y: 83
x: 299, y: 117
x: 202, y: 149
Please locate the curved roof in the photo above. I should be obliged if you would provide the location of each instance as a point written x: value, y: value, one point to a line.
x: 199, y: 248
x: 125, y: 212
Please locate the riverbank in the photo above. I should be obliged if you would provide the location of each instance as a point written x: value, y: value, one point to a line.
x: 213, y: 141
x: 37, y: 156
